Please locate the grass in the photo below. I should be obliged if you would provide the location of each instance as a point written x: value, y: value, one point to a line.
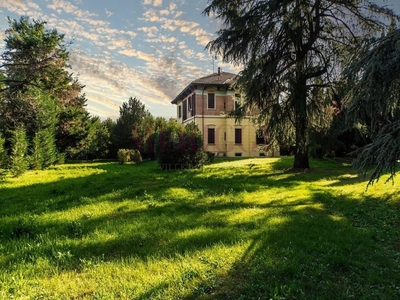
x: 235, y: 229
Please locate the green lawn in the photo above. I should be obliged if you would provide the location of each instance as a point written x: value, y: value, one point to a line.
x: 235, y: 229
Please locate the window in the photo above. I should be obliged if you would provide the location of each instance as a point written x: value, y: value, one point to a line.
x: 189, y: 100
x: 262, y: 154
x: 211, y: 101
x: 193, y: 104
x: 184, y: 110
x: 237, y: 154
x: 238, y: 135
x: 211, y: 135
x: 180, y: 111
x: 260, y: 137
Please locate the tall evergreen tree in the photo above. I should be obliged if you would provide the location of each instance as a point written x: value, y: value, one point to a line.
x: 34, y: 69
x: 289, y: 48
x: 19, y: 152
x: 373, y: 104
x: 3, y: 153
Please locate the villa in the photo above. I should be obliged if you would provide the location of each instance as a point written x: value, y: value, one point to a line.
x: 206, y: 102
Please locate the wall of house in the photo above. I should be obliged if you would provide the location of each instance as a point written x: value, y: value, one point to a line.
x: 224, y: 127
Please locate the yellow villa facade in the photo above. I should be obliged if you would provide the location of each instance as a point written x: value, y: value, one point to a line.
x: 206, y: 102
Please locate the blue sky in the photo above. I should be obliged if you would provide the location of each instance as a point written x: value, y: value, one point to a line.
x: 149, y: 49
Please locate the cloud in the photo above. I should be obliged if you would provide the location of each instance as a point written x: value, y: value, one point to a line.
x: 150, y: 31
x: 172, y: 24
x: 152, y: 2
x: 139, y: 54
x: 119, y: 43
x: 18, y: 7
x: 108, y: 13
x: 60, y: 5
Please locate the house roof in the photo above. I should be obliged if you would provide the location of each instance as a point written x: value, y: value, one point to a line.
x: 215, y: 79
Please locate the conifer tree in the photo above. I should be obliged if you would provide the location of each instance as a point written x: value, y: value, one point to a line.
x: 38, y: 92
x: 373, y: 104
x: 19, y: 150
x: 288, y: 49
x: 3, y: 153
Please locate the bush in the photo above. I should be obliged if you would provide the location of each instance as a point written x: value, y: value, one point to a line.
x: 179, y: 147
x: 208, y: 157
x: 128, y: 155
x: 135, y: 156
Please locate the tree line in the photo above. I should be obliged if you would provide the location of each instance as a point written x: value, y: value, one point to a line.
x: 43, y: 116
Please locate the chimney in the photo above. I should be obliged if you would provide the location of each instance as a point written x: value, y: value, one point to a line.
x: 219, y: 71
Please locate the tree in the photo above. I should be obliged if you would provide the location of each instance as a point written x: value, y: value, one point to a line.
x: 288, y: 49
x: 34, y: 56
x: 112, y: 149
x: 373, y: 104
x: 3, y: 153
x: 19, y: 151
x: 131, y: 116
x: 73, y: 123
x: 38, y: 92
x: 97, y: 142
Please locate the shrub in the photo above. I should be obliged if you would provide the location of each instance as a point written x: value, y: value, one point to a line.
x: 128, y: 155
x: 179, y: 147
x: 208, y: 157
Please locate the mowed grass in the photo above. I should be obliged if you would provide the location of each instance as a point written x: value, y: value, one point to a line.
x: 235, y: 229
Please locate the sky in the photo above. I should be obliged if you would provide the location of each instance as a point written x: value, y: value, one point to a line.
x: 148, y: 49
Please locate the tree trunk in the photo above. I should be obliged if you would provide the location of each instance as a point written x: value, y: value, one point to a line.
x: 299, y: 94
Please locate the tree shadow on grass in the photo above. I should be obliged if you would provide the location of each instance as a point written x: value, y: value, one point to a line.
x: 317, y: 253
x: 126, y: 181
x: 319, y: 248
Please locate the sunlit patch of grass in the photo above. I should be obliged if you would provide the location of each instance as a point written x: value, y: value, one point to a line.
x: 234, y: 229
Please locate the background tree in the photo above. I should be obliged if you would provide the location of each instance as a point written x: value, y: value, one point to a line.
x: 373, y: 104
x: 131, y: 116
x: 97, y: 141
x: 289, y: 49
x: 19, y: 151
x: 112, y: 149
x: 3, y: 154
